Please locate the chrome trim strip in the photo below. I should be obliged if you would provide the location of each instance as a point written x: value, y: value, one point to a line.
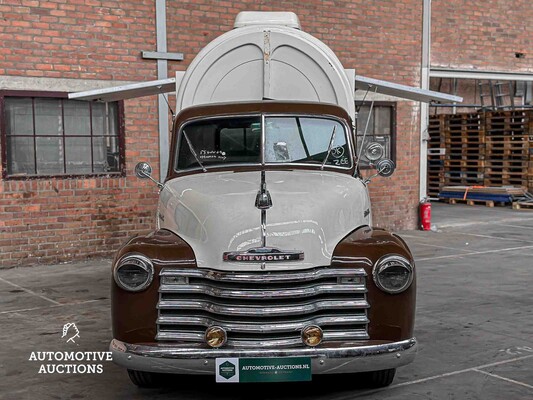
x: 261, y: 309
x: 342, y: 357
x: 262, y: 277
x: 263, y: 326
x: 297, y: 292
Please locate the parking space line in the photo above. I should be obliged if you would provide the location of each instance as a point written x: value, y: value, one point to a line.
x: 474, y: 253
x: 518, y: 226
x: 30, y: 291
x: 53, y: 306
x: 494, y: 237
x: 440, y: 247
x: 431, y: 378
x: 504, y: 378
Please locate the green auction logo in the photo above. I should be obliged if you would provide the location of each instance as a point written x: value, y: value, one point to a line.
x: 226, y: 370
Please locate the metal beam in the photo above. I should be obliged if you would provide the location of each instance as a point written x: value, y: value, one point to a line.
x: 478, y: 74
x: 157, y: 55
x: 403, y: 91
x: 162, y: 66
x: 124, y: 92
x: 424, y: 107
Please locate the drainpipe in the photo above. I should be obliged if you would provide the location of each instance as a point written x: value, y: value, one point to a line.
x: 161, y: 35
x: 424, y: 107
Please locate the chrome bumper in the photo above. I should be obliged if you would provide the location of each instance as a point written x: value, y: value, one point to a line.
x: 326, y: 360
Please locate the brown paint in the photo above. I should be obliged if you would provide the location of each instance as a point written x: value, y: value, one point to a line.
x: 391, y: 315
x: 134, y: 314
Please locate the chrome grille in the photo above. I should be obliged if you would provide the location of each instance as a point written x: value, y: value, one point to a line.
x: 262, y: 309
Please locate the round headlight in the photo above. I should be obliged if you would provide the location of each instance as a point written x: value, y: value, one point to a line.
x: 393, y: 274
x: 134, y: 272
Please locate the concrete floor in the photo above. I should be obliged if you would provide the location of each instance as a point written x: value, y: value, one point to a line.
x: 474, y: 323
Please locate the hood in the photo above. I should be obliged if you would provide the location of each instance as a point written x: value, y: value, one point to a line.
x: 311, y: 212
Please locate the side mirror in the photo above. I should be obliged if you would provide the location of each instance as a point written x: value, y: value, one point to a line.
x: 143, y: 170
x: 385, y: 167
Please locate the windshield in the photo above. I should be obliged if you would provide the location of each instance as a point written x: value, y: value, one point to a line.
x: 288, y: 139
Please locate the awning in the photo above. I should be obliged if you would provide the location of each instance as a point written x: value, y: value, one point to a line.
x: 127, y: 91
x: 403, y: 91
x: 479, y: 74
x: 169, y: 85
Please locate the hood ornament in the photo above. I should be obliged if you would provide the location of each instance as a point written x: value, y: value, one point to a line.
x: 263, y: 201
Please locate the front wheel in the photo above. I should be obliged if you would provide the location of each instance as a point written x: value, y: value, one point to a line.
x: 144, y: 379
x: 381, y: 378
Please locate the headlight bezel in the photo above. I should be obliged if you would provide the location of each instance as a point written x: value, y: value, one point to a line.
x: 138, y: 260
x: 384, y: 263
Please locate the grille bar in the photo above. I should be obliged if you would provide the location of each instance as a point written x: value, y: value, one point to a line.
x: 307, y: 291
x: 262, y: 327
x: 254, y: 311
x: 264, y: 277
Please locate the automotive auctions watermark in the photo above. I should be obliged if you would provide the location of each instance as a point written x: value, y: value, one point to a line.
x: 71, y: 362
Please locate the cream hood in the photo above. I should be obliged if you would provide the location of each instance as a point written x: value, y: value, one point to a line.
x: 311, y: 211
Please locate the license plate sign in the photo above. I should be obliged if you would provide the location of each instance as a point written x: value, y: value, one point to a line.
x: 282, y: 369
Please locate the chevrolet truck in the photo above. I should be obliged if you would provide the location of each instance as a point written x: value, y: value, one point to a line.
x: 264, y: 264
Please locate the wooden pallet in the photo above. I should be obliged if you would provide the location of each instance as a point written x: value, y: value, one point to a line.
x: 523, y: 205
x: 487, y: 203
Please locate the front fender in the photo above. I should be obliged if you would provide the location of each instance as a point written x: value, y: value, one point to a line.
x: 391, y: 316
x: 134, y: 314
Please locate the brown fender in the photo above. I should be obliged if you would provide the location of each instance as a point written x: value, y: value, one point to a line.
x: 391, y: 316
x: 134, y: 314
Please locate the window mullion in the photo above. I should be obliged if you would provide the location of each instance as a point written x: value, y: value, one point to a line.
x: 91, y: 129
x: 63, y: 136
x: 34, y: 135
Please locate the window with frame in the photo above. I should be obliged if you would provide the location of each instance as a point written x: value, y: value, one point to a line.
x: 381, y: 129
x: 50, y: 135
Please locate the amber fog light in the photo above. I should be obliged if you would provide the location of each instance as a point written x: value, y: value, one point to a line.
x: 312, y: 335
x: 215, y: 336
x: 134, y: 272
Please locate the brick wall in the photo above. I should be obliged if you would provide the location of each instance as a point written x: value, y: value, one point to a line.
x: 482, y: 34
x: 51, y: 220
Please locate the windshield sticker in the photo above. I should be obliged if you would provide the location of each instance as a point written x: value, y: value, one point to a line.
x: 212, y: 155
x: 338, y: 152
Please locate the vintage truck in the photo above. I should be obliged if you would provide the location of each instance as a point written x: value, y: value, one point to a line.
x: 264, y: 265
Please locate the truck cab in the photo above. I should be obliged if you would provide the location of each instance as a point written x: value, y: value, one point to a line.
x: 264, y: 264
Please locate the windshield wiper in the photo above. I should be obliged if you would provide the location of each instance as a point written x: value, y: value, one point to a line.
x: 193, y: 152
x: 329, y: 147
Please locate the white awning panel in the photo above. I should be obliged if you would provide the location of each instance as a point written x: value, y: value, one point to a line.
x: 403, y: 91
x: 127, y: 91
x: 480, y: 74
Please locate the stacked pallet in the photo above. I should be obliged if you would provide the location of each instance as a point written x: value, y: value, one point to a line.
x: 481, y: 149
x: 436, y: 155
x: 464, y: 139
x: 507, y: 148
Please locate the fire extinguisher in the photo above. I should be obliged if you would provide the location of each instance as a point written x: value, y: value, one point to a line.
x: 425, y: 215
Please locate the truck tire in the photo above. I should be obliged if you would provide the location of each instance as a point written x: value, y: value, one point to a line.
x: 144, y: 379
x: 381, y: 378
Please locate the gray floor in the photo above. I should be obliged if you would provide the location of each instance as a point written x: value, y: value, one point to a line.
x: 474, y: 322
